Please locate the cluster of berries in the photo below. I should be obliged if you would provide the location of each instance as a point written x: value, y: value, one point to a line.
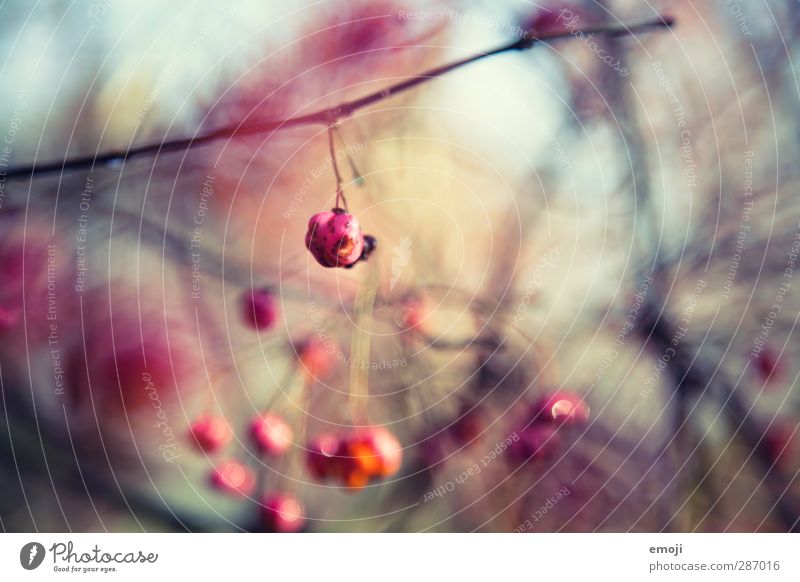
x: 357, y: 458
x: 271, y: 436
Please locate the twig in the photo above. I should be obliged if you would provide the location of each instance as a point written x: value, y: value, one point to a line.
x: 326, y: 116
x: 339, y: 191
x: 690, y: 377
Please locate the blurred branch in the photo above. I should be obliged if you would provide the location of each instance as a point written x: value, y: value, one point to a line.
x: 57, y: 452
x: 689, y: 377
x: 326, y: 116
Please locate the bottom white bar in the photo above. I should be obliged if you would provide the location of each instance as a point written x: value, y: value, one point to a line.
x: 390, y: 557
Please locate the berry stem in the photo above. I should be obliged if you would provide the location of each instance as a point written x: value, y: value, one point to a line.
x: 322, y: 117
x: 340, y: 199
x: 357, y: 177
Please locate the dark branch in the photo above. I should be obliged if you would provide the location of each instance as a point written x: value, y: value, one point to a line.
x: 323, y: 117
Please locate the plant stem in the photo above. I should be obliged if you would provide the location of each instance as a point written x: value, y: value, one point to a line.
x: 339, y: 191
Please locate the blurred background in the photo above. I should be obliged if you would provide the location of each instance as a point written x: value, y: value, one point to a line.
x: 580, y: 315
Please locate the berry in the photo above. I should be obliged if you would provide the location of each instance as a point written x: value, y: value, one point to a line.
x: 768, y: 366
x: 412, y: 315
x: 119, y: 372
x: 258, y: 308
x: 778, y: 442
x: 210, y: 433
x: 561, y: 407
x: 334, y: 238
x: 355, y: 459
x: 367, y: 454
x: 282, y: 513
x: 316, y: 356
x: 468, y: 428
x: 321, y: 457
x: 234, y: 478
x: 271, y: 434
x: 370, y: 244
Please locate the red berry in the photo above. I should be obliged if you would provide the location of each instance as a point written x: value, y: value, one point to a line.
x: 356, y: 459
x: 561, y: 407
x: 386, y: 447
x: 468, y: 428
x: 367, y: 454
x: 258, y: 308
x: 119, y: 371
x: 271, y: 434
x: 321, y: 456
x: 768, y: 366
x: 778, y: 441
x: 282, y: 513
x: 233, y: 477
x: 210, y: 433
x: 316, y: 357
x: 334, y: 238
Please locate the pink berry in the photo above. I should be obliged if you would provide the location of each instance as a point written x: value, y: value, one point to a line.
x: 561, y: 407
x: 210, y: 433
x: 119, y: 372
x: 768, y: 366
x: 412, y: 314
x: 371, y: 452
x: 271, y: 434
x: 322, y: 459
x: 9, y: 319
x: 316, y: 357
x: 334, y: 238
x: 234, y: 478
x: 282, y: 513
x: 258, y: 308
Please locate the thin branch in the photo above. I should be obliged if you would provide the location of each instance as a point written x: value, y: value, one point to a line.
x: 339, y: 191
x: 326, y: 116
x: 696, y: 380
x: 357, y: 177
